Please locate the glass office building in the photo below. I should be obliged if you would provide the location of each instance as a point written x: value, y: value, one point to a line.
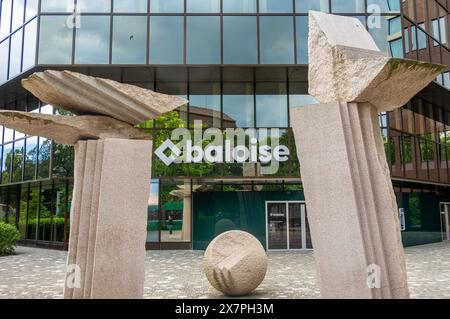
x: 241, y: 64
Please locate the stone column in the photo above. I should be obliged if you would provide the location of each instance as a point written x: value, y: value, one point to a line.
x: 351, y: 203
x: 108, y: 218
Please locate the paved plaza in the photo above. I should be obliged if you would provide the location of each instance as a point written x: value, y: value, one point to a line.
x: 39, y: 273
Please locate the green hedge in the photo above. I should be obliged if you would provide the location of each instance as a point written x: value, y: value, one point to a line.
x: 9, y: 236
x: 152, y: 225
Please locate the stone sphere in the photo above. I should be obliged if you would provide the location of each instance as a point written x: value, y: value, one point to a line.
x: 235, y: 263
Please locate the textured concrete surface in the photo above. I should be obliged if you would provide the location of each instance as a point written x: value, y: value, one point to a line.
x: 109, y: 217
x: 69, y: 129
x: 87, y: 95
x: 352, y: 69
x: 39, y: 273
x: 235, y: 263
x: 350, y: 230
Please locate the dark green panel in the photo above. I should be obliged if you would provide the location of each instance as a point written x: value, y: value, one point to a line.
x: 218, y: 212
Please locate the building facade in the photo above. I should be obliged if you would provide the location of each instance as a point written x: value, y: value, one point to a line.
x: 242, y: 64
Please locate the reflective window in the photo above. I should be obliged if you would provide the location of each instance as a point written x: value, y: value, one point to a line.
x: 302, y: 39
x: 275, y: 6
x: 380, y: 33
x: 16, y: 54
x: 31, y: 158
x: 94, y: 6
x: 239, y: 6
x: 166, y: 6
x: 296, y: 100
x: 6, y: 163
x: 92, y: 40
x: 29, y: 45
x: 18, y: 13
x: 8, y: 135
x: 271, y: 105
x: 57, y: 5
x: 385, y: 5
x: 18, y: 161
x: 396, y: 48
x: 4, y: 52
x: 44, y: 157
x: 277, y: 40
x: 303, y: 6
x: 202, y: 6
x: 203, y: 40
x: 129, y: 40
x: 5, y: 19
x: 166, y: 40
x: 204, y: 103
x: 130, y: 6
x: 348, y: 6
x: 240, y: 40
x: 31, y: 9
x: 238, y: 105
x: 55, y: 41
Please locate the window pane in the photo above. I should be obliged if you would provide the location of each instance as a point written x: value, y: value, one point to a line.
x: 4, y: 51
x: 396, y: 48
x: 29, y: 45
x: 238, y: 105
x: 5, y: 21
x: 204, y: 103
x: 240, y: 40
x: 55, y: 43
x: 92, y: 40
x: 94, y: 6
x: 386, y: 5
x: 57, y: 5
x: 18, y: 161
x: 18, y: 12
x: 303, y: 6
x: 6, y: 163
x: 277, y: 40
x: 8, y: 135
x: 31, y: 9
x: 31, y: 158
x: 380, y: 33
x: 44, y: 157
x: 130, y: 6
x: 129, y: 40
x: 167, y: 6
x: 166, y: 40
x: 302, y: 40
x: 239, y: 6
x: 16, y: 54
x: 203, y: 40
x: 348, y: 6
x: 275, y: 6
x: 271, y: 105
x: 202, y: 6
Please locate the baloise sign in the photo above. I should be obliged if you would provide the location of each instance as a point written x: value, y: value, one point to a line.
x: 230, y: 146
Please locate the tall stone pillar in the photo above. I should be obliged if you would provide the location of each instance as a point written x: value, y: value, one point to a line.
x: 352, y: 209
x: 107, y: 234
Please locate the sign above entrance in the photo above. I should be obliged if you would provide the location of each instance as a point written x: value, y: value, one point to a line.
x: 232, y: 145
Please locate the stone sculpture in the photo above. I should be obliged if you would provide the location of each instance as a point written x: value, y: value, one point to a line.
x: 108, y: 215
x: 235, y: 263
x: 355, y: 234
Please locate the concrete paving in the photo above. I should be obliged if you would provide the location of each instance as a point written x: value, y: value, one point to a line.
x: 39, y: 273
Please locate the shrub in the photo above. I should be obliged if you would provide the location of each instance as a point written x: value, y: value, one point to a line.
x: 9, y: 235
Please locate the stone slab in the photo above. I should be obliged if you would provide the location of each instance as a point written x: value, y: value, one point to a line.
x: 346, y: 66
x: 109, y: 218
x: 352, y: 210
x: 87, y: 95
x: 69, y: 129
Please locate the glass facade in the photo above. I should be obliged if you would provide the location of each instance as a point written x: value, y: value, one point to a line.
x: 241, y: 64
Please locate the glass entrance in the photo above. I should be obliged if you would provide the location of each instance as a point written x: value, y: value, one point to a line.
x: 287, y: 226
x: 445, y: 221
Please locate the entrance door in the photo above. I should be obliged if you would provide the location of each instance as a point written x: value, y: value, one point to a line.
x: 287, y: 226
x: 445, y: 221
